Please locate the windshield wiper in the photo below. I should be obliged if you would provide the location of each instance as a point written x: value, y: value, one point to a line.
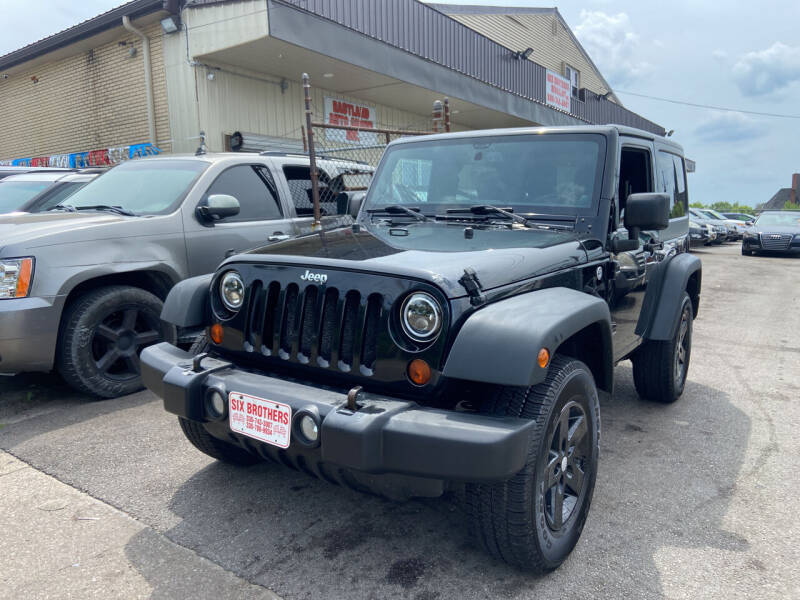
x: 115, y: 209
x: 398, y: 209
x: 487, y: 209
x: 64, y: 207
x: 531, y: 220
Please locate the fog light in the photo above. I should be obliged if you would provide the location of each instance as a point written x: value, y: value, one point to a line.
x: 309, y: 428
x: 216, y: 402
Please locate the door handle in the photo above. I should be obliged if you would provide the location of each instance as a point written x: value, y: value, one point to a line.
x: 278, y: 237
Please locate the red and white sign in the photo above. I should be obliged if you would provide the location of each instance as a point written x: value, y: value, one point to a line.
x: 350, y: 114
x: 259, y: 418
x: 558, y: 91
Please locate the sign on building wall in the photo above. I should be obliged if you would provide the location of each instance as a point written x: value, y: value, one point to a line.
x: 350, y: 114
x: 558, y: 91
x: 105, y: 157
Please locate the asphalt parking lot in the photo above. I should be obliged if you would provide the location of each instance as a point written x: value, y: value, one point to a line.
x: 696, y: 499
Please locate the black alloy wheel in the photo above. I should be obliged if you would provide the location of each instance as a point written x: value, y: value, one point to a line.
x: 102, y: 333
x: 565, y: 467
x: 120, y: 337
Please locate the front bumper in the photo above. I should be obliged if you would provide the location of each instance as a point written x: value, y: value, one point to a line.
x: 28, y: 333
x: 754, y: 244
x: 383, y: 436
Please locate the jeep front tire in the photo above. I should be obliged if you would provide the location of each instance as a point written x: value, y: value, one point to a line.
x: 534, y: 519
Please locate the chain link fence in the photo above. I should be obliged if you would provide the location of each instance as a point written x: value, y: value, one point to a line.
x: 356, y: 141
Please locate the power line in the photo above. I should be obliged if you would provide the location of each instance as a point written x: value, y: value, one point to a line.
x: 723, y: 108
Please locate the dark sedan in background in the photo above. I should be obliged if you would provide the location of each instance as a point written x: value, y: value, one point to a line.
x: 773, y: 231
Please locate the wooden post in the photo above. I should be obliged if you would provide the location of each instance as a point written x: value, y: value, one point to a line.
x: 312, y: 154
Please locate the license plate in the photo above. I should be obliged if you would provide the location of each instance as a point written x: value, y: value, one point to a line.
x: 265, y: 420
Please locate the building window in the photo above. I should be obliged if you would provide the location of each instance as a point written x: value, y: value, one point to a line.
x: 574, y: 77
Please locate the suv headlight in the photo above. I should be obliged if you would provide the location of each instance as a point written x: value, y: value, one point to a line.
x: 750, y: 235
x: 421, y: 317
x: 231, y: 290
x: 16, y: 276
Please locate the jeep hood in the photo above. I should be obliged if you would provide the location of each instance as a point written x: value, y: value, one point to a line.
x: 432, y: 252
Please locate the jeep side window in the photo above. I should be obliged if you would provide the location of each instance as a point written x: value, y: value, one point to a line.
x: 299, y: 179
x: 671, y: 179
x: 252, y: 186
x: 682, y: 196
x: 634, y: 175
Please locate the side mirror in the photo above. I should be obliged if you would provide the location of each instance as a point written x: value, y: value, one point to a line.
x: 218, y: 206
x: 646, y: 211
x: 349, y: 203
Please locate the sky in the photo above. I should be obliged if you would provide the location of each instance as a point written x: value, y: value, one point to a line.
x: 730, y: 54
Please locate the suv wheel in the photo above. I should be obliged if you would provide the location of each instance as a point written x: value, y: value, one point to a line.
x: 746, y: 252
x: 660, y: 367
x: 534, y: 519
x: 102, y: 333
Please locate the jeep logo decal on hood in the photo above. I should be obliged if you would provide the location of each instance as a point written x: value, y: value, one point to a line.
x: 318, y: 277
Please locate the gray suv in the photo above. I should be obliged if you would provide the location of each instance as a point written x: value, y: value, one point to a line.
x: 81, y: 286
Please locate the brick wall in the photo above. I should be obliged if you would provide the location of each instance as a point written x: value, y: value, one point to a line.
x: 91, y: 100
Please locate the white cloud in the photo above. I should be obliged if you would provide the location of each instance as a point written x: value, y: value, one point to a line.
x: 720, y: 55
x: 767, y: 71
x: 612, y: 45
x: 729, y: 127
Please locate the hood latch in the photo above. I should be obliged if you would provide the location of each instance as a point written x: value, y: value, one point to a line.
x: 473, y: 286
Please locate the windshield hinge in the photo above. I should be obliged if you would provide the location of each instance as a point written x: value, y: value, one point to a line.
x: 473, y: 286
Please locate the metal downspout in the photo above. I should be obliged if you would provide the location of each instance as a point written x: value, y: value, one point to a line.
x: 148, y: 77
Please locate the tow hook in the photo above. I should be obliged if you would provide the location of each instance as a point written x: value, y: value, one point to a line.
x: 352, y: 397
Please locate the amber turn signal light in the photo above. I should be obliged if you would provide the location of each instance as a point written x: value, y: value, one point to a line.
x: 419, y: 372
x: 216, y: 333
x: 24, y: 279
x: 544, y: 357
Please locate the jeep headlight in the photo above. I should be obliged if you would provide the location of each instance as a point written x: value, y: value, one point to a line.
x: 750, y: 235
x: 16, y: 276
x: 421, y: 317
x: 231, y: 290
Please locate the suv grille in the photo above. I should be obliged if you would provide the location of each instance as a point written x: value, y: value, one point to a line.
x: 314, y: 325
x: 775, y: 241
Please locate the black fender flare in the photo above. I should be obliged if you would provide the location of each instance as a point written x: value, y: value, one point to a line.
x: 662, y: 301
x: 500, y: 343
x: 187, y: 302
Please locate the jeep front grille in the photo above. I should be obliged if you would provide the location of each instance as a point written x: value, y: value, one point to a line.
x: 314, y: 325
x: 775, y: 241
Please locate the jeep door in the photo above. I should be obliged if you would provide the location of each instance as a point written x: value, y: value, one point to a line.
x: 636, y: 168
x: 263, y: 217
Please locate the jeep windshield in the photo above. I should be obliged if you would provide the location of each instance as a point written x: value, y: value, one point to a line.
x: 546, y: 177
x: 141, y: 187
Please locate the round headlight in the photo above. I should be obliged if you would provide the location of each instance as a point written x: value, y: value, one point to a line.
x: 421, y: 317
x: 231, y: 289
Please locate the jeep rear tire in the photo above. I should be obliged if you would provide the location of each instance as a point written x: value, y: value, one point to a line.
x: 102, y: 334
x: 211, y: 446
x: 534, y: 519
x: 660, y: 367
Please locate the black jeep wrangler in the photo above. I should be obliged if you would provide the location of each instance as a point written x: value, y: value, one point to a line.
x: 458, y: 333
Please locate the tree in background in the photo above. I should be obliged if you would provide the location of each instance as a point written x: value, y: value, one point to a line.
x: 724, y: 207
